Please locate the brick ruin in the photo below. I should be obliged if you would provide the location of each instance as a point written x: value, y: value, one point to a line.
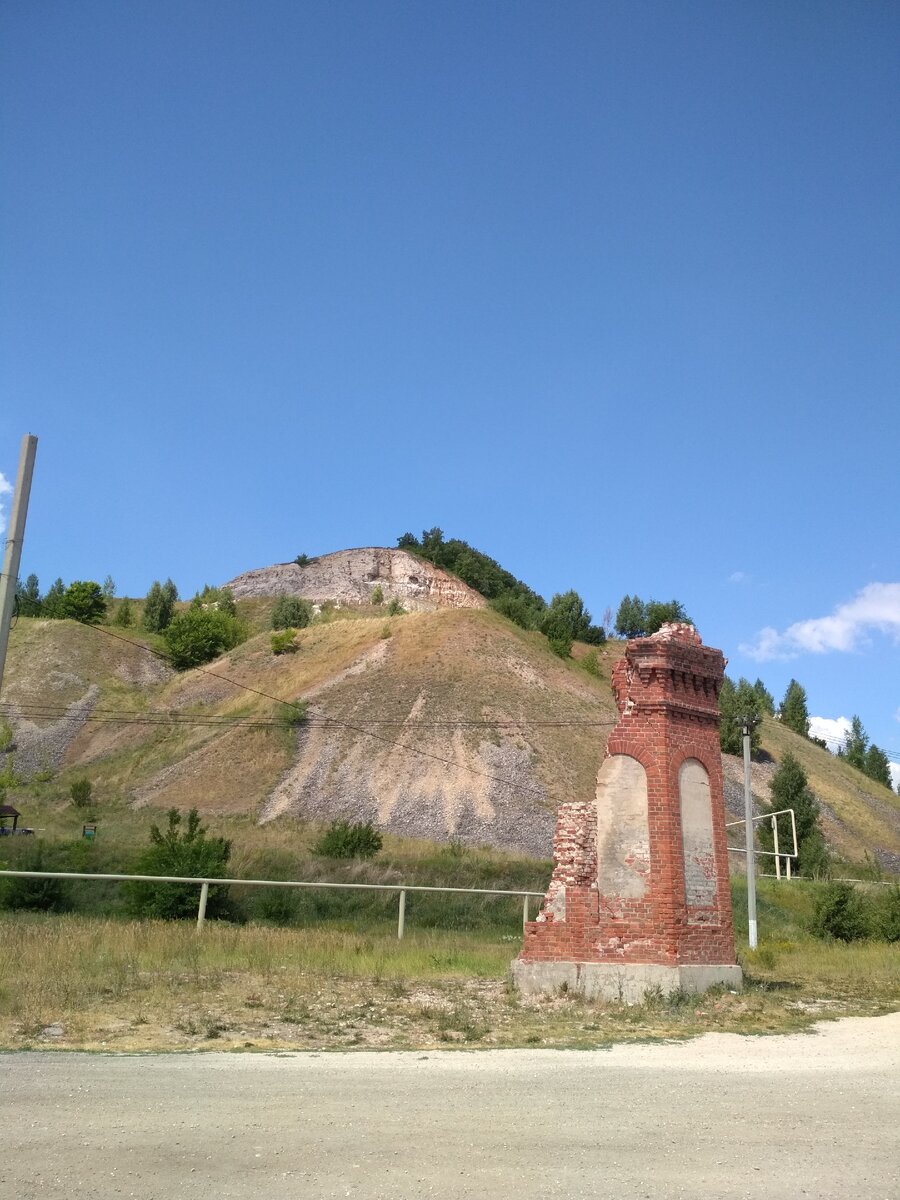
x: 639, y: 897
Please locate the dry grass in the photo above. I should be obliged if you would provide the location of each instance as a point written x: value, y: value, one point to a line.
x: 76, y: 982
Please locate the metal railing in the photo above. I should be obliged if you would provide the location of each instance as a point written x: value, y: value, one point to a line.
x: 204, y: 886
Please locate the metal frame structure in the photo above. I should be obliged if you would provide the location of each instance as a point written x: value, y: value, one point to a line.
x: 777, y: 853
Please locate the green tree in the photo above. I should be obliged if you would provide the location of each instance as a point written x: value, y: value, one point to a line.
x: 481, y: 572
x: 877, y: 766
x: 83, y: 601
x: 790, y: 789
x: 291, y: 612
x: 199, y: 635
x: 159, y: 606
x: 631, y: 618
x: 566, y: 621
x: 52, y: 604
x: 377, y: 596
x: 856, y: 744
x: 188, y: 852
x: 794, y: 712
x: 766, y: 699
x: 735, y: 703
x: 109, y: 588
x: 28, y: 597
x: 664, y: 612
x: 124, y: 616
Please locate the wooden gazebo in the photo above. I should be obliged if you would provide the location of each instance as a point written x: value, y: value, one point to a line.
x: 7, y: 812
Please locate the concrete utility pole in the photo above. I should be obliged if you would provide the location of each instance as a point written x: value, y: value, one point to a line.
x: 747, y: 724
x: 14, y: 540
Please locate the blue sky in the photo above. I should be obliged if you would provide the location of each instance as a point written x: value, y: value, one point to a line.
x: 608, y: 289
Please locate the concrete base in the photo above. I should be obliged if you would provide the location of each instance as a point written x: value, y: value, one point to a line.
x: 629, y: 983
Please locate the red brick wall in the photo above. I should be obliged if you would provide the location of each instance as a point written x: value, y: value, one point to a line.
x: 666, y: 689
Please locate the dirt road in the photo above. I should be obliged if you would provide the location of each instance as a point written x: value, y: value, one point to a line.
x: 806, y: 1115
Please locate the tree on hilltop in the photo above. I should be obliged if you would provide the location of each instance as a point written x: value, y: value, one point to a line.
x: 51, y: 606
x: 766, y: 699
x: 159, y: 606
x: 83, y: 600
x: 877, y: 766
x: 794, y: 712
x: 28, y: 597
x: 638, y: 619
x: 737, y: 702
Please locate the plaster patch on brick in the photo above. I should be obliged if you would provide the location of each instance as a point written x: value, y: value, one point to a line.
x: 623, y: 830
x: 697, y: 834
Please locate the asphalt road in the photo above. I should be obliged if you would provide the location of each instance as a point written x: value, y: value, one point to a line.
x: 807, y: 1115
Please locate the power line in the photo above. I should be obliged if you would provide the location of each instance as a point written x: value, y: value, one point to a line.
x: 329, y: 720
x: 168, y: 716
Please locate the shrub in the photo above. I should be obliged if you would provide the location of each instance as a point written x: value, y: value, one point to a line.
x: 386, y: 631
x: 219, y: 598
x: 292, y: 715
x: 124, y: 614
x: 591, y: 663
x: 200, y: 635
x: 176, y: 851
x: 840, y: 913
x: 345, y: 840
x: 887, y: 918
x: 35, y: 895
x: 560, y: 646
x: 377, y: 596
x: 283, y: 642
x: 6, y: 735
x: 395, y: 608
x: 301, y: 560
x: 280, y: 906
x: 291, y: 612
x: 80, y: 791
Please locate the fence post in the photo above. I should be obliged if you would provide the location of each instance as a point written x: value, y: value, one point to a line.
x: 401, y: 915
x: 201, y: 910
x: 777, y: 855
x: 524, y: 911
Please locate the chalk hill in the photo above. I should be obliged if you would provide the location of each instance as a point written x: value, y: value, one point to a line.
x: 350, y: 577
x: 443, y: 724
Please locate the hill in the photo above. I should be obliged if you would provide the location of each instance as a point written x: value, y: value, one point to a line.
x: 453, y: 724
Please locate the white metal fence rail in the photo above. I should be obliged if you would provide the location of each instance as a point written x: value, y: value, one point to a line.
x: 204, y: 885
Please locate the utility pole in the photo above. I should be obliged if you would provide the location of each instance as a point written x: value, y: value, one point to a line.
x: 747, y: 724
x: 14, y: 540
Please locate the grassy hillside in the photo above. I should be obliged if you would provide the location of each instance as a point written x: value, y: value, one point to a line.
x: 453, y: 725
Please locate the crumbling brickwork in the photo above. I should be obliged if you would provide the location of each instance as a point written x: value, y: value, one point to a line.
x: 641, y: 874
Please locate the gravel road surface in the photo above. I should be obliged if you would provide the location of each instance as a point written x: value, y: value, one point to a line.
x: 724, y: 1116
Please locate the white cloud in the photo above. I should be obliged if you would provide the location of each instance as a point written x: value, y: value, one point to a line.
x: 895, y: 774
x: 834, y: 732
x: 5, y: 490
x: 738, y: 577
x: 876, y: 607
